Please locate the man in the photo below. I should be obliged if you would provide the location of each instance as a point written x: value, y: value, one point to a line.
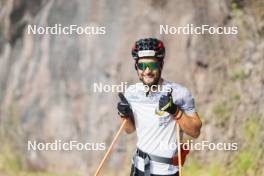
x: 152, y: 108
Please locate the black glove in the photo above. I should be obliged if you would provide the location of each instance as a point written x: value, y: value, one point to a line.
x: 123, y: 107
x: 166, y: 104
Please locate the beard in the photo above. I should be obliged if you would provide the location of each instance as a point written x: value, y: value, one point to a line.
x: 154, y: 82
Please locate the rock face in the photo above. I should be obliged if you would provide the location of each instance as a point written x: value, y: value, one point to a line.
x: 46, y: 81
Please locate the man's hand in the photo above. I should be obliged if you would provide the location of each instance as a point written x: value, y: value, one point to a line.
x: 123, y: 107
x: 166, y: 104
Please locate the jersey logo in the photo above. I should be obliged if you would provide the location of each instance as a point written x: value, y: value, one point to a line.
x: 164, y: 120
x: 159, y: 112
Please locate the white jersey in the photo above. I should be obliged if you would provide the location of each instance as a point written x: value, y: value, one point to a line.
x: 157, y: 134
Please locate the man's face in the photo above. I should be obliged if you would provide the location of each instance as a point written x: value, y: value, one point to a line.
x: 149, y: 70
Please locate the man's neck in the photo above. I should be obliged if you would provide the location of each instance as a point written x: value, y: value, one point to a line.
x: 161, y: 81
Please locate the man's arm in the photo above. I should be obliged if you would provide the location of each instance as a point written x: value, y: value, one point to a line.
x: 190, y: 124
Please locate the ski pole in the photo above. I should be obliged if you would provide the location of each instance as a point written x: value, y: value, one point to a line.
x: 110, y: 148
x: 179, y: 148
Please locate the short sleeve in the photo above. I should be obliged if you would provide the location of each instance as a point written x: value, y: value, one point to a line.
x: 187, y: 103
x: 129, y: 92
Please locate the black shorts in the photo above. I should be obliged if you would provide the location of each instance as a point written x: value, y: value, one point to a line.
x: 140, y: 173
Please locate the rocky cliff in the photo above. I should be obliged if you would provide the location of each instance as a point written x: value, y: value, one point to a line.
x: 46, y: 80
